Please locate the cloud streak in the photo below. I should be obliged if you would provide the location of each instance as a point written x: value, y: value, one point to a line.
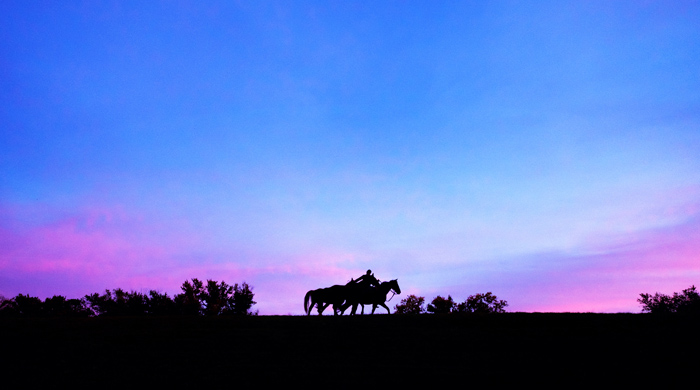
x: 82, y: 251
x: 607, y: 277
x: 106, y: 248
x: 102, y: 248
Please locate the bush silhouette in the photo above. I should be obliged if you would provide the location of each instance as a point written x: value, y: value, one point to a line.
x: 687, y: 301
x: 214, y: 298
x: 410, y: 305
x: 160, y: 304
x: 242, y: 299
x: 189, y: 302
x: 24, y: 305
x: 118, y: 302
x: 56, y: 306
x: 482, y: 303
x: 441, y: 305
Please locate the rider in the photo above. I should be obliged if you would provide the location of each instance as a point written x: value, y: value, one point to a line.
x: 367, y: 280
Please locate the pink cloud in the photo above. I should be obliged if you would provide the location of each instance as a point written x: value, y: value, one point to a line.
x: 106, y: 248
x: 610, y: 279
x: 49, y: 253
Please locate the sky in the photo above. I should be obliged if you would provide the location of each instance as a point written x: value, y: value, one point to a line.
x: 545, y: 151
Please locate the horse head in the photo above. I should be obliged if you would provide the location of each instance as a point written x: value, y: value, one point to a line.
x: 395, y: 285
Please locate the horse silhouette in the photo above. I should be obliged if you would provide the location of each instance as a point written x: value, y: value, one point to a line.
x: 323, y: 297
x: 376, y: 296
x: 351, y: 294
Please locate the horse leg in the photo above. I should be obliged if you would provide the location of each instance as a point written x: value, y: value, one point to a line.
x: 317, y: 304
x: 374, y: 307
x: 342, y: 306
x: 322, y: 307
x: 385, y: 306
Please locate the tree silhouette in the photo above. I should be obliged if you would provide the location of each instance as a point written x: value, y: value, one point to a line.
x: 410, y: 305
x: 6, y: 308
x: 160, y: 304
x: 58, y: 305
x: 55, y: 306
x: 482, y: 303
x: 216, y: 297
x: 100, y: 304
x: 118, y: 302
x: 134, y: 303
x: 189, y: 301
x: 441, y: 305
x: 25, y: 305
x: 688, y: 301
x: 77, y: 308
x: 242, y: 299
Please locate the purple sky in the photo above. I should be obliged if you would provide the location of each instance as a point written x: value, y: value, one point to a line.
x: 548, y: 152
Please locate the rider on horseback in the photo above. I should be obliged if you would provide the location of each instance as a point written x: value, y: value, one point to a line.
x: 367, y: 280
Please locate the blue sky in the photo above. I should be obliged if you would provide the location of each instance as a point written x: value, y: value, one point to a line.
x: 544, y: 151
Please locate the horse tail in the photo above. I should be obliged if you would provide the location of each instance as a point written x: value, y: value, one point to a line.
x: 306, y: 302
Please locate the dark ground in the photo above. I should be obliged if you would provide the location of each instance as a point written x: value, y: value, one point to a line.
x: 451, y: 350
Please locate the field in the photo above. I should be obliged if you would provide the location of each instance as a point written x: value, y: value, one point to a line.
x: 555, y: 348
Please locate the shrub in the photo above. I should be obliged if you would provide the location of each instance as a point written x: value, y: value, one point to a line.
x: 242, y: 299
x: 214, y: 298
x: 410, y: 305
x: 441, y: 305
x: 482, y: 303
x: 687, y: 301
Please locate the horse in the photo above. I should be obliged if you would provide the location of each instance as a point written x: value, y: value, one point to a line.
x: 376, y: 296
x: 323, y: 297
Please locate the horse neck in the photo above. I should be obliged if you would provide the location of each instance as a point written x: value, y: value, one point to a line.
x: 385, y: 287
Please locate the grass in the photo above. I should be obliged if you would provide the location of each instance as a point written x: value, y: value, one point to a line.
x: 402, y: 350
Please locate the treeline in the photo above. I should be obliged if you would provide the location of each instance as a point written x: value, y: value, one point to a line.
x: 478, y: 303
x: 197, y: 299
x: 685, y: 302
